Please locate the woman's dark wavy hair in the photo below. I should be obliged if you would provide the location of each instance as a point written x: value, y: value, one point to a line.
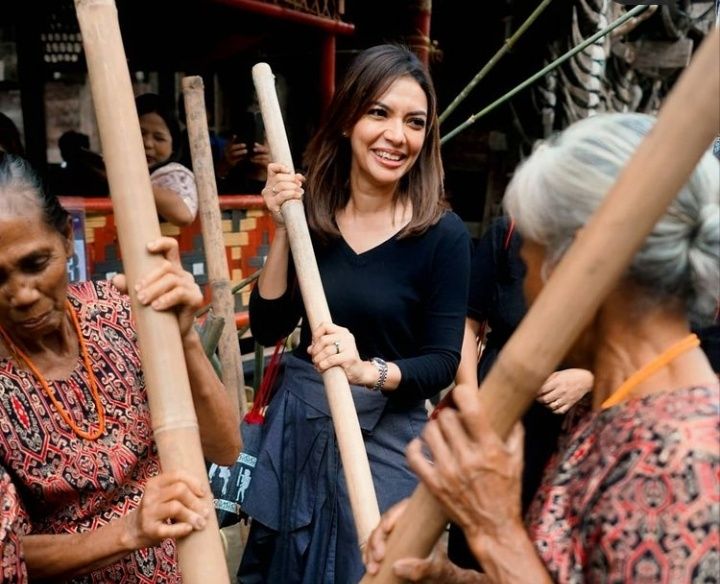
x: 328, y: 154
x: 152, y: 103
x: 19, y: 179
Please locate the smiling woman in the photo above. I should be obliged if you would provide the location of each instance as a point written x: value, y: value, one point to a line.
x: 75, y: 431
x: 394, y: 263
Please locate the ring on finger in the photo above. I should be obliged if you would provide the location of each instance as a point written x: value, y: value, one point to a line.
x: 337, y: 347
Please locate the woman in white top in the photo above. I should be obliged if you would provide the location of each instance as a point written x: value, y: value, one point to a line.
x: 173, y: 184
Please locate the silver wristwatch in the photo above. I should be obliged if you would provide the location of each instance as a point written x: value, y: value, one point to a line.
x: 382, y: 373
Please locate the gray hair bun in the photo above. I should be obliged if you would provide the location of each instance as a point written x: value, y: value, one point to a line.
x: 556, y: 190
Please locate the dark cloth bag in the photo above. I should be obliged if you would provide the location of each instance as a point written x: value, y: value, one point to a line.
x: 229, y: 484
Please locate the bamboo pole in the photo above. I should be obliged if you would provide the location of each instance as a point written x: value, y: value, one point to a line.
x: 544, y: 71
x: 174, y: 423
x: 587, y: 273
x: 507, y: 46
x: 222, y: 300
x: 347, y: 428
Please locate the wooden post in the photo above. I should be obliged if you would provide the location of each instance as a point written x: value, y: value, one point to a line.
x: 657, y: 171
x: 223, y: 302
x: 175, y: 426
x: 419, y: 37
x: 347, y: 428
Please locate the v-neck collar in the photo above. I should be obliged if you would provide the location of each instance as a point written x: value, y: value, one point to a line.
x: 362, y: 257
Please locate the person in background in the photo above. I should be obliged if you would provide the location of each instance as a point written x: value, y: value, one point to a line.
x: 82, y: 173
x: 173, y: 184
x: 632, y: 495
x: 243, y: 167
x: 394, y: 263
x: 240, y: 160
x: 10, y: 140
x: 75, y: 428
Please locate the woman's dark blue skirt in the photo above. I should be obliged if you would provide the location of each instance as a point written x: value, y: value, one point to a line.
x: 303, y: 530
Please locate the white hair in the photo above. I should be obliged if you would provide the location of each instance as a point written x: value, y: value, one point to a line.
x: 556, y: 190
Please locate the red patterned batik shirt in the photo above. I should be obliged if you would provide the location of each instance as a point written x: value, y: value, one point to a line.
x: 634, y: 494
x: 69, y: 484
x: 12, y: 568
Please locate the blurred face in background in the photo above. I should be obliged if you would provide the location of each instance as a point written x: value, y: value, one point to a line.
x: 157, y: 139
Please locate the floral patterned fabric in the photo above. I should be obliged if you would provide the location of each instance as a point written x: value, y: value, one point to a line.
x: 176, y: 177
x: 69, y: 484
x: 12, y: 565
x: 634, y: 494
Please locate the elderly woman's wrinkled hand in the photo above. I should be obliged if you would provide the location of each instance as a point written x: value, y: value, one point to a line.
x: 281, y: 186
x: 473, y: 474
x: 174, y: 505
x: 374, y: 551
x: 168, y: 286
x: 435, y: 569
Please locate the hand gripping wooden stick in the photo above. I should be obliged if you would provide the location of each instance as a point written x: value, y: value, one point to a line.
x: 223, y: 301
x: 688, y: 122
x: 347, y: 429
x: 175, y: 426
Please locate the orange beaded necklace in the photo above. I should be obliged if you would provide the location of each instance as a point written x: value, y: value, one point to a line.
x: 64, y: 414
x: 622, y: 392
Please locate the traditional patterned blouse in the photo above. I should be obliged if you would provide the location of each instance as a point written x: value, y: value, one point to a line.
x: 69, y: 484
x: 634, y: 494
x: 176, y: 177
x: 12, y: 564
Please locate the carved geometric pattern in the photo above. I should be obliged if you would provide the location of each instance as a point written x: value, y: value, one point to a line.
x: 246, y: 233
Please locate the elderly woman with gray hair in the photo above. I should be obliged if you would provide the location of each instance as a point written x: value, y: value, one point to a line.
x: 76, y: 437
x: 633, y: 494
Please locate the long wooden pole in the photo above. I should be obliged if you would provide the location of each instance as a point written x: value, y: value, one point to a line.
x: 174, y: 422
x: 347, y: 428
x: 222, y: 301
x: 690, y: 117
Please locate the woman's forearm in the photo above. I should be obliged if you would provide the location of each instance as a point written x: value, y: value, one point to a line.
x: 56, y: 557
x: 171, y: 207
x: 509, y: 557
x: 273, y: 279
x: 218, y: 424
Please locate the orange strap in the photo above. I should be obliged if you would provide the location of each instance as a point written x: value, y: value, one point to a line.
x: 621, y: 393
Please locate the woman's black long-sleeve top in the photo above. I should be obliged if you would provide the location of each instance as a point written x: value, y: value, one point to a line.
x: 404, y: 300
